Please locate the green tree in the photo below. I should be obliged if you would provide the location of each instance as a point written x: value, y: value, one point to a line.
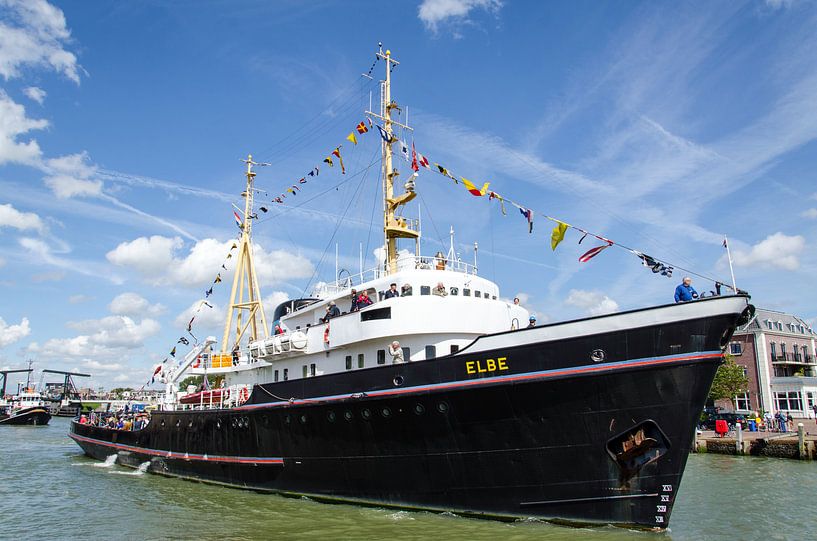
x: 119, y: 392
x: 729, y: 382
x: 214, y: 381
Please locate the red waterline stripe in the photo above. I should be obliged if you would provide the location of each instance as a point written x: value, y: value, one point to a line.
x: 497, y: 379
x: 180, y: 456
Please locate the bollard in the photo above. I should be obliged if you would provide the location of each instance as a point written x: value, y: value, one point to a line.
x: 739, y: 440
x: 801, y: 441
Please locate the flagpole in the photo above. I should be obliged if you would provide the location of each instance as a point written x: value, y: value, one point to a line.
x: 731, y: 269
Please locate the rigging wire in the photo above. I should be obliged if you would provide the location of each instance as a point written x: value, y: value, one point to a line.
x: 335, y: 232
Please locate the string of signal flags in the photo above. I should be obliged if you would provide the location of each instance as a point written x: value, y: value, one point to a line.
x: 560, y: 227
x: 158, y: 370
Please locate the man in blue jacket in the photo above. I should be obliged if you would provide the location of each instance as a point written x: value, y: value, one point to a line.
x: 685, y: 292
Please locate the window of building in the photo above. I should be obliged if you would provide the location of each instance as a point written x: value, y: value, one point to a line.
x: 381, y: 356
x: 736, y: 348
x: 276, y: 376
x: 779, y: 325
x: 425, y: 290
x: 788, y: 400
x: 431, y: 352
x: 454, y: 348
x: 742, y: 402
x: 782, y: 349
x: 773, y: 348
x: 466, y: 292
x: 312, y: 369
x: 406, y: 354
x: 360, y: 360
x: 769, y: 323
x: 348, y: 362
x: 286, y: 374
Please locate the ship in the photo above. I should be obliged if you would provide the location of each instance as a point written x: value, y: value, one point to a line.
x: 438, y: 398
x: 27, y: 407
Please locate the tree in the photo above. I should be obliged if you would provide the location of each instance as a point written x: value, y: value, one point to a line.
x: 120, y: 391
x: 214, y: 381
x: 729, y: 381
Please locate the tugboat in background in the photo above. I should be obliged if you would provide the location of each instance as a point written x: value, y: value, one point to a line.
x: 26, y: 408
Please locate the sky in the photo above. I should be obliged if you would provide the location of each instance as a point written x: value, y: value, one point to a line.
x: 662, y: 126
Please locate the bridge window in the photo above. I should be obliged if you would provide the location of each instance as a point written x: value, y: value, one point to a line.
x: 377, y: 313
x: 466, y: 292
x: 276, y: 376
x: 425, y: 290
x: 306, y: 373
x: 454, y: 348
x: 381, y: 356
x: 431, y: 352
x: 360, y: 360
x: 286, y: 374
x: 312, y: 370
x: 348, y: 362
x: 455, y: 291
x: 477, y: 294
x: 406, y: 354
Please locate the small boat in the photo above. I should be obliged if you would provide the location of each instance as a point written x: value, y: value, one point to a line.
x: 27, y: 408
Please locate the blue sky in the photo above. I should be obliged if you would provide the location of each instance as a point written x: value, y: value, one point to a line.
x: 661, y: 126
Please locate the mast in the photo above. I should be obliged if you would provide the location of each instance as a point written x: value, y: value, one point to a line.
x: 394, y: 227
x: 245, y: 295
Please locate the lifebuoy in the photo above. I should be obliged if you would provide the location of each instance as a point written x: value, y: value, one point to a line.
x: 243, y: 395
x: 326, y: 335
x: 198, y: 362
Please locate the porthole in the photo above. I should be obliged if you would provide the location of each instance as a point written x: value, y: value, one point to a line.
x: 190, y: 424
x: 218, y: 424
x: 287, y: 419
x: 398, y: 381
x: 178, y: 422
x: 163, y: 422
x: 302, y: 418
x: 265, y: 420
x: 419, y: 409
x: 234, y: 422
x: 385, y: 412
x: 348, y: 415
x: 331, y: 416
x: 442, y: 407
x: 366, y: 414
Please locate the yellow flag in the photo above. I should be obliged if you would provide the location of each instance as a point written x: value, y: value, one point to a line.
x: 558, y: 234
x: 351, y: 137
x: 478, y: 192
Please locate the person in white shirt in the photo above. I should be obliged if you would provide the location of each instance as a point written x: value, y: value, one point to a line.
x: 396, y: 353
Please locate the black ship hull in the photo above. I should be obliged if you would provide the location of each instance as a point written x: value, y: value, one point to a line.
x: 595, y: 428
x: 29, y: 416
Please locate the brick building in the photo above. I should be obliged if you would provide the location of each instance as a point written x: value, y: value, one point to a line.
x: 777, y: 351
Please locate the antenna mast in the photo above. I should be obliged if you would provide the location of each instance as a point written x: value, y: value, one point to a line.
x: 245, y: 281
x: 393, y: 227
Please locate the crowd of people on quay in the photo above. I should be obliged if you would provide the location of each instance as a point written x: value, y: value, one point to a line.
x: 124, y: 419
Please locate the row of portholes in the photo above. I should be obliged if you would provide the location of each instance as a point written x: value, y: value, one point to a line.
x: 366, y: 414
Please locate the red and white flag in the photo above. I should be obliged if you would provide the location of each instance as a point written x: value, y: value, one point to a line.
x: 592, y: 252
x: 422, y: 160
x: 414, y: 165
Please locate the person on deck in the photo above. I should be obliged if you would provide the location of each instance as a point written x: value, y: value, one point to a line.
x: 392, y: 292
x: 354, y: 307
x: 331, y: 311
x: 363, y: 300
x: 516, y: 301
x: 396, y: 353
x: 685, y: 292
x: 532, y: 321
x: 439, y: 290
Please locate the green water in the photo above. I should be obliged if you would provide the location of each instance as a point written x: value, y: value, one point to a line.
x: 48, y: 490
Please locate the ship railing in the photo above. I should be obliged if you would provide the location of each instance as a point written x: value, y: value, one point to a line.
x: 346, y: 281
x: 209, y: 361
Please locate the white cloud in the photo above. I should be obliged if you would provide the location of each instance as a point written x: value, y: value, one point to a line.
x: 13, y: 124
x: 811, y: 214
x: 101, y: 338
x: 2, y: 262
x: 41, y: 253
x: 72, y: 175
x: 79, y: 299
x: 208, y: 320
x: 35, y: 93
x: 271, y: 302
x: 593, y: 302
x: 11, y: 217
x: 132, y: 304
x: 434, y: 12
x: 158, y: 260
x: 12, y: 333
x: 34, y: 33
x: 777, y: 251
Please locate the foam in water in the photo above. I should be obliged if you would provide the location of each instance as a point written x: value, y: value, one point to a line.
x: 143, y: 467
x: 109, y: 462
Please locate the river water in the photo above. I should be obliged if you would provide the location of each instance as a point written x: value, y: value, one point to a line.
x: 49, y: 490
